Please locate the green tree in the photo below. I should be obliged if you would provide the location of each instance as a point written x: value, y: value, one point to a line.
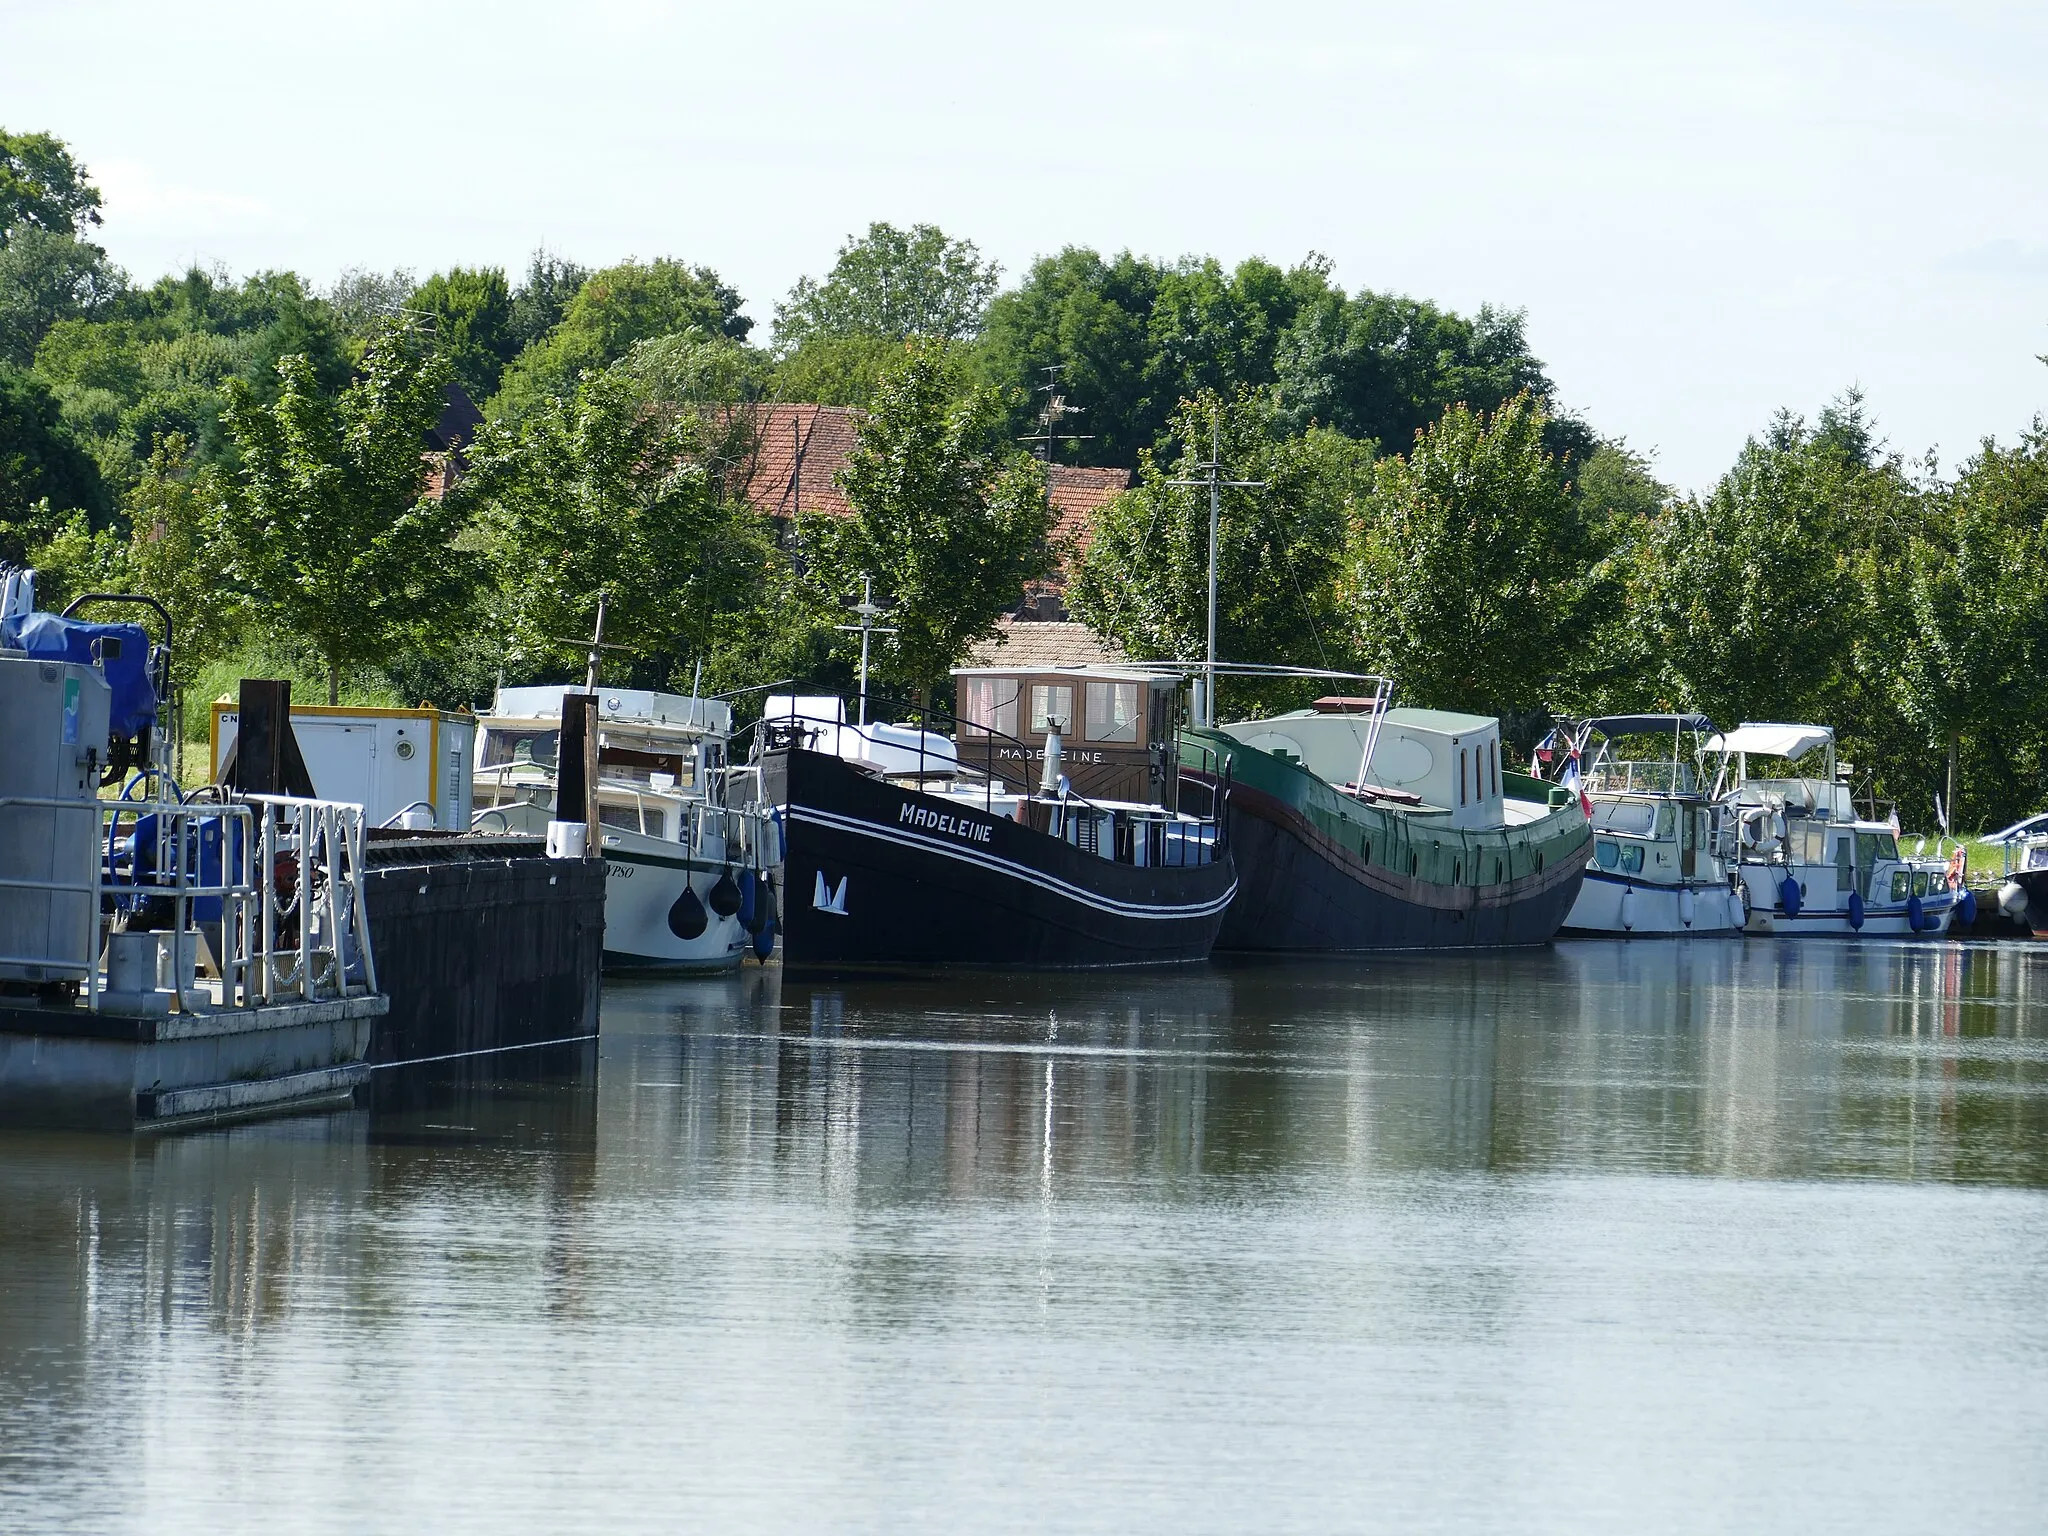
x: 170, y: 549
x: 42, y: 187
x: 1749, y: 598
x: 891, y: 284
x: 45, y: 475
x: 1279, y: 547
x: 543, y: 296
x: 835, y: 370
x: 1970, y: 645
x: 330, y: 531
x: 615, y: 492
x: 612, y: 310
x: 46, y: 277
x: 176, y: 555
x: 948, y: 522
x: 1470, y: 563
x: 472, y: 317
x: 361, y: 300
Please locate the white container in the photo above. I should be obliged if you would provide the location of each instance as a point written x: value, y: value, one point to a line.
x: 567, y: 839
x: 405, y: 767
x: 53, y: 744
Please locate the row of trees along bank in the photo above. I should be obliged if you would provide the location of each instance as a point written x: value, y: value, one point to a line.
x: 251, y: 453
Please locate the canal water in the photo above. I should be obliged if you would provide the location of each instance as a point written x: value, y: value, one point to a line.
x: 1707, y: 1236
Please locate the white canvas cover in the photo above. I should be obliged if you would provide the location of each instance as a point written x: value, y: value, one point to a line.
x: 1791, y: 741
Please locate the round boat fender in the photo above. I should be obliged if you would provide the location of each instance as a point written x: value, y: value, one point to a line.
x: 724, y: 896
x: 1788, y: 896
x: 764, y: 942
x: 1966, y: 909
x: 1916, y: 913
x: 1856, y: 910
x: 2012, y: 899
x: 687, y: 919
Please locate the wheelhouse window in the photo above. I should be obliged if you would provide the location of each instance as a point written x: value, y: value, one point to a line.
x: 1051, y: 702
x: 504, y: 749
x: 1112, y: 711
x: 989, y: 704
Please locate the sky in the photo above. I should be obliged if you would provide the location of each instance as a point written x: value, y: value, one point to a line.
x: 1705, y: 217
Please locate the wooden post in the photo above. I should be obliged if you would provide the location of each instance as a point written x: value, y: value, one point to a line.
x: 265, y: 709
x: 576, y: 769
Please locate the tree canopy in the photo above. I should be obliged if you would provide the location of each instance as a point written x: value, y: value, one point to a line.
x: 330, y: 527
x: 948, y: 520
x: 891, y: 284
x: 615, y: 492
x: 611, y: 310
x: 1470, y: 564
x: 43, y: 187
x: 1279, y: 549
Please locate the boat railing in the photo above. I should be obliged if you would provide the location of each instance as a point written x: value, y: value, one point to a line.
x: 1070, y: 806
x: 273, y: 884
x: 1640, y: 776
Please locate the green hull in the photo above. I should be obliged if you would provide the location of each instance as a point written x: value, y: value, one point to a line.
x: 1319, y: 870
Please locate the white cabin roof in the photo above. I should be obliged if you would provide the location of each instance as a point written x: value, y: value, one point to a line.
x: 1770, y: 740
x: 623, y: 705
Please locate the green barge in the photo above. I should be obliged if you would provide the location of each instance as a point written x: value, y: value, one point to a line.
x: 1356, y: 828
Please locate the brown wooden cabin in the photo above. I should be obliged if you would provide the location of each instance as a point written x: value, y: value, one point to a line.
x: 1118, y: 728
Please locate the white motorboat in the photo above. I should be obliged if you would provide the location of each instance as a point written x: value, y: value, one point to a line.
x: 1805, y: 862
x: 2023, y: 889
x: 688, y: 843
x: 1656, y: 867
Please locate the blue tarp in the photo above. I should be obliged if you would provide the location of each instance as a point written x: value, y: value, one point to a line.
x: 62, y: 639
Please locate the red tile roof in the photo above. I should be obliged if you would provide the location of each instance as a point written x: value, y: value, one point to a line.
x: 800, y: 449
x: 1076, y: 493
x: 798, y: 453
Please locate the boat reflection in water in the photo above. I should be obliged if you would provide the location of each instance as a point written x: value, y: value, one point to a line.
x: 1245, y: 1249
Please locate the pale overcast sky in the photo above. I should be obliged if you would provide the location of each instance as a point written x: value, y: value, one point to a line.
x: 1706, y: 216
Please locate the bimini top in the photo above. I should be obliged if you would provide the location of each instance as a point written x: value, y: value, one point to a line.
x: 1790, y: 741
x: 1648, y: 725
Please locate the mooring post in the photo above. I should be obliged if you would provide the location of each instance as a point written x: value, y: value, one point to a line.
x: 576, y: 769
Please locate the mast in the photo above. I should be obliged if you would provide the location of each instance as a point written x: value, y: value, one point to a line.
x: 869, y: 610
x: 1212, y: 476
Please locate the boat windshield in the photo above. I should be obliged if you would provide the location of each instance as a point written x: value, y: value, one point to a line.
x: 513, y: 748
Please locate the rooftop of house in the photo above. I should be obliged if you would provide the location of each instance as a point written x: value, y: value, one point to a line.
x: 798, y: 453
x: 1076, y: 493
x: 1038, y: 643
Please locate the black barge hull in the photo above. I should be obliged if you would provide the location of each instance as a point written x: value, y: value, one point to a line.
x: 1302, y: 892
x: 878, y: 875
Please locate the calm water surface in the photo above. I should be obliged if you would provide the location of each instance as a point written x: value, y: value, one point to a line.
x: 1661, y: 1237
